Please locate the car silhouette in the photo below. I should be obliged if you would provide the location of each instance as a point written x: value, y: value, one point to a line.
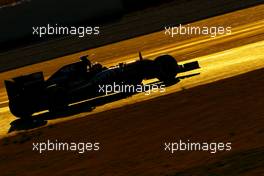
x: 81, y: 80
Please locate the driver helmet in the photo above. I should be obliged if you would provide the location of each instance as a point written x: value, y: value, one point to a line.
x: 85, y: 60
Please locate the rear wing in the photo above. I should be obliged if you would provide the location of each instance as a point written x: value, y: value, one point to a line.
x: 11, y: 88
x: 17, y: 85
x: 189, y: 66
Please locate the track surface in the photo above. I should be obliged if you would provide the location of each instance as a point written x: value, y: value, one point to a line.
x: 205, y: 107
x: 220, y: 57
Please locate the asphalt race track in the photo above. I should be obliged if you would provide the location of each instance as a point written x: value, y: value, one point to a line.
x: 215, y: 65
x: 220, y: 57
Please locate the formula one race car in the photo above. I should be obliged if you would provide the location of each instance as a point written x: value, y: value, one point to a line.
x: 81, y: 80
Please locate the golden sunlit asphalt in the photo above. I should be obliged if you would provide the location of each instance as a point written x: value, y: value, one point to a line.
x: 220, y: 57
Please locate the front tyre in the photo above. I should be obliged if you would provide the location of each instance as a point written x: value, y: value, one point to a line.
x: 167, y: 68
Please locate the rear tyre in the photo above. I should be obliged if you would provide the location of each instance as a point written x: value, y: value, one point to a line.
x: 167, y: 68
x: 18, y: 109
x: 57, y: 100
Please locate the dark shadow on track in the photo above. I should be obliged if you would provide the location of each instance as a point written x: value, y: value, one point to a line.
x: 87, y: 106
